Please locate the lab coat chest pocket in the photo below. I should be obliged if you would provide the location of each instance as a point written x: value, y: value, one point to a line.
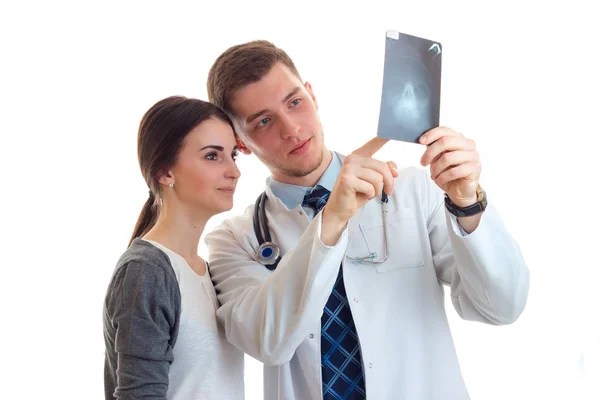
x: 404, y: 238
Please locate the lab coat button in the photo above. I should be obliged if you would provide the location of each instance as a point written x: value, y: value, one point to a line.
x: 356, y: 300
x: 312, y: 336
x: 370, y: 365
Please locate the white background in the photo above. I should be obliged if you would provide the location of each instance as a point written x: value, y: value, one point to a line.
x: 520, y: 78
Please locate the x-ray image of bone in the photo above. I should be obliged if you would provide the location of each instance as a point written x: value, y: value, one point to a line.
x: 411, y: 88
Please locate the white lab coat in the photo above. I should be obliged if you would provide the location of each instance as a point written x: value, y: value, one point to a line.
x: 398, y: 306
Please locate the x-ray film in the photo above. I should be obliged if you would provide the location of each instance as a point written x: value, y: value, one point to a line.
x: 410, y: 98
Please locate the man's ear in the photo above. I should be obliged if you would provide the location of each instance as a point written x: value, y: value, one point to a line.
x: 309, y: 89
x: 239, y: 127
x: 242, y: 147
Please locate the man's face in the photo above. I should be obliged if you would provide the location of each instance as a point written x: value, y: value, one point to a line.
x: 277, y: 120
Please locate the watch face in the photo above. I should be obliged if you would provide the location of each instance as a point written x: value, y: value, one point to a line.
x: 479, y: 193
x: 481, y: 197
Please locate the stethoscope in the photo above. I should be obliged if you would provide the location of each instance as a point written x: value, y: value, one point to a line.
x: 269, y: 254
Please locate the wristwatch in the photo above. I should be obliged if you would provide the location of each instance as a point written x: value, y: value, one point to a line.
x: 471, y: 210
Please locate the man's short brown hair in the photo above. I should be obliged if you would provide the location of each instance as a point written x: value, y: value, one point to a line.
x: 241, y: 65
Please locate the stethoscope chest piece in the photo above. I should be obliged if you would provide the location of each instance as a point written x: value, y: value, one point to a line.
x: 267, y: 254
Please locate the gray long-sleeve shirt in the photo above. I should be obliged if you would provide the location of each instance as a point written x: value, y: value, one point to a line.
x: 154, y: 301
x: 141, y: 323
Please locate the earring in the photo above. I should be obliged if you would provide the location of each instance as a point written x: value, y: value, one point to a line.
x: 171, y: 185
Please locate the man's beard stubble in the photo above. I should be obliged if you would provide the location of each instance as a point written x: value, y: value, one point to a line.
x: 300, y: 173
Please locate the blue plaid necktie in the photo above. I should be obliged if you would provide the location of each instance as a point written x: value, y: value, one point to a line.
x: 341, y: 361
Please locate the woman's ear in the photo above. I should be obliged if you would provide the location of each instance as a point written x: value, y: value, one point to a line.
x: 242, y: 147
x: 166, y: 178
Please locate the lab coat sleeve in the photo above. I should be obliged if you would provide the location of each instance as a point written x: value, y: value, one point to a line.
x: 486, y: 272
x: 268, y: 314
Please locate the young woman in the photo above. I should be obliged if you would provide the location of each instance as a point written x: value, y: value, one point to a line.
x: 160, y: 329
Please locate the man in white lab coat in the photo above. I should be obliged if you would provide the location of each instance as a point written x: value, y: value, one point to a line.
x: 327, y: 326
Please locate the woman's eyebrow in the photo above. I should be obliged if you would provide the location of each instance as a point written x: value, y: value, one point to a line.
x: 212, y: 146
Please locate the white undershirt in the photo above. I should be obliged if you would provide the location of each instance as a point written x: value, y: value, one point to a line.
x: 206, y: 366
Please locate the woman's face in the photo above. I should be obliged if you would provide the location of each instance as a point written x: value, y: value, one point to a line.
x: 205, y: 174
